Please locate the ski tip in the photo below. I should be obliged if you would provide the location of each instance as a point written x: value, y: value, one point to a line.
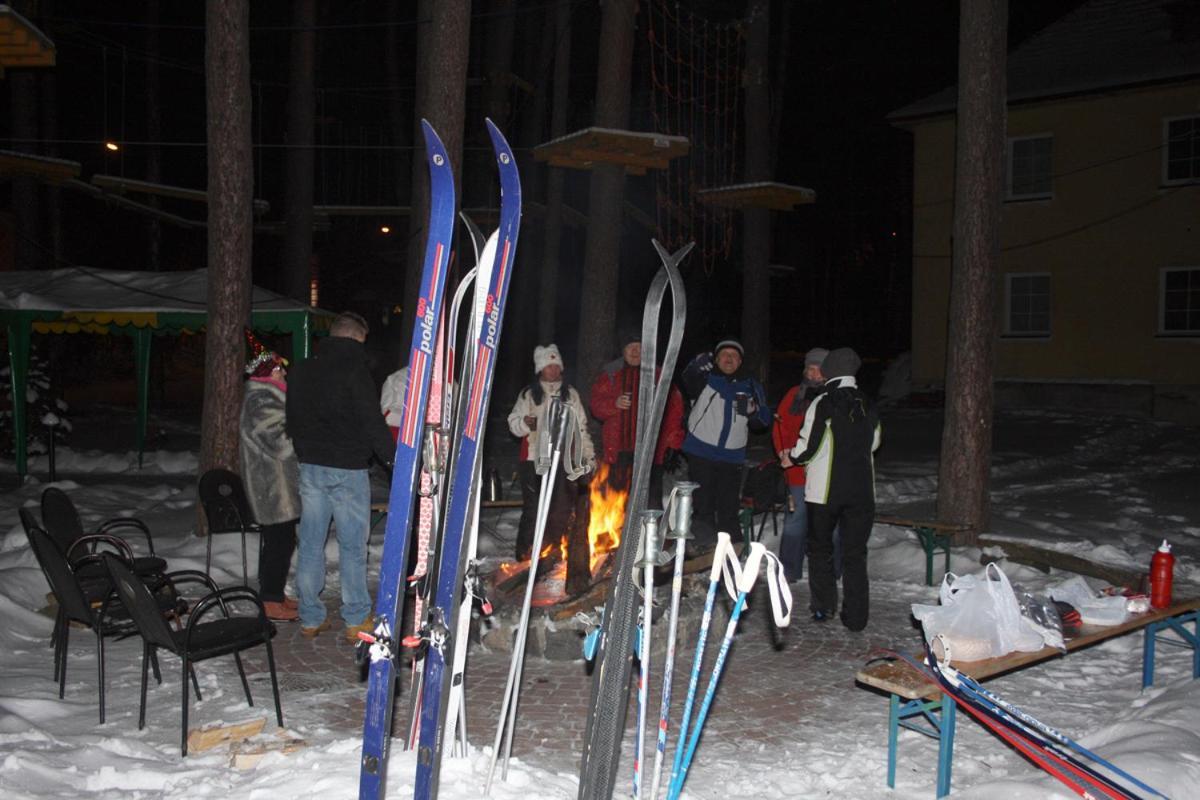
x: 433, y: 142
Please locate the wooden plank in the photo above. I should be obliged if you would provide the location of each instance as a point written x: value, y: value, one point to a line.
x: 1044, y: 558
x: 202, y: 739
x: 761, y: 194
x: 53, y: 170
x: 898, y: 677
x: 637, y: 151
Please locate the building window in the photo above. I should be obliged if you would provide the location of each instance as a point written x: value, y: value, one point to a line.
x: 1030, y: 168
x: 1180, y: 301
x: 1027, y: 300
x: 1182, y: 151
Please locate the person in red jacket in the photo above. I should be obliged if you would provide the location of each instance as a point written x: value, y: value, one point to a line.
x: 614, y: 401
x: 789, y: 418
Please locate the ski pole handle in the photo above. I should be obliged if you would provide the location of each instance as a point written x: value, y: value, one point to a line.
x: 780, y: 593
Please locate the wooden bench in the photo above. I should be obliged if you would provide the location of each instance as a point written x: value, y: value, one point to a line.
x: 935, y: 537
x: 911, y: 695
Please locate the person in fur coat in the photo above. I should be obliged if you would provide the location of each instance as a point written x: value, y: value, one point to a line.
x: 271, y: 475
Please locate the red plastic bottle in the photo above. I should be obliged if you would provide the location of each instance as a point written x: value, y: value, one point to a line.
x: 1162, y: 573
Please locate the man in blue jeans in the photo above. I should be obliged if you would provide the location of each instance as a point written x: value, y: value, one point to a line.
x: 334, y: 420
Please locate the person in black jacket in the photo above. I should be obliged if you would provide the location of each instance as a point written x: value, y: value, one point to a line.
x: 334, y: 420
x: 841, y: 432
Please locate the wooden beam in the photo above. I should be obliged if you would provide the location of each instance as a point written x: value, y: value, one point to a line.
x: 22, y: 44
x: 635, y: 150
x: 119, y: 184
x: 763, y: 194
x: 50, y: 170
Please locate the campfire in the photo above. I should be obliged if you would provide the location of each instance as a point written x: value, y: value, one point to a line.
x: 606, y: 516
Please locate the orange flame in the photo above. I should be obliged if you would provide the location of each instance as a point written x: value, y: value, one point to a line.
x: 607, y: 516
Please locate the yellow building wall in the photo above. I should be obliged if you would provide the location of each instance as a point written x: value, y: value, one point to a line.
x: 1103, y: 237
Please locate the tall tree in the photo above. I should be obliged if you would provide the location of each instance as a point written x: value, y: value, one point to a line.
x: 602, y: 253
x: 552, y: 242
x: 756, y: 222
x: 301, y: 122
x: 965, y: 469
x: 23, y: 127
x: 442, y: 52
x: 230, y: 225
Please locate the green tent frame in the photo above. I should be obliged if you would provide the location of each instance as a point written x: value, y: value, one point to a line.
x: 142, y: 324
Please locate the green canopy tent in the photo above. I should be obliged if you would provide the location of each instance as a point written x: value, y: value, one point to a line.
x: 136, y: 304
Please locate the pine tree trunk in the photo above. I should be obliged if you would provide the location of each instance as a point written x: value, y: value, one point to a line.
x: 602, y: 253
x: 552, y: 243
x: 756, y: 222
x: 964, y: 471
x: 301, y: 122
x: 442, y: 54
x: 25, y: 197
x: 230, y: 226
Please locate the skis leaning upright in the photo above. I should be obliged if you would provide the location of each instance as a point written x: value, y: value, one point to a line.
x: 389, y: 607
x: 469, y: 430
x: 614, y: 659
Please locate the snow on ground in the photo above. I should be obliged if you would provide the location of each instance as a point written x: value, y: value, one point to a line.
x: 1110, y: 488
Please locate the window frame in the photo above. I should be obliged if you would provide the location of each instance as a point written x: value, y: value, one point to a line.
x: 1009, y: 194
x: 1166, y: 151
x: 1008, y: 332
x: 1190, y: 333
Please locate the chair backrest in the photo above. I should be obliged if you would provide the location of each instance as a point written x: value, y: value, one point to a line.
x: 145, y: 611
x: 61, y: 518
x: 764, y: 486
x: 224, y: 500
x: 63, y: 582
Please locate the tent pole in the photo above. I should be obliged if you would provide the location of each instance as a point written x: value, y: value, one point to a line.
x: 141, y: 357
x: 19, y: 326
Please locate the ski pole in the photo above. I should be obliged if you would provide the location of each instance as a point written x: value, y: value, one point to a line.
x: 724, y: 562
x: 558, y: 415
x: 679, y: 529
x: 649, y: 562
x: 781, y: 603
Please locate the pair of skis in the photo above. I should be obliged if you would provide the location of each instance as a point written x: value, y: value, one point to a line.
x: 614, y: 656
x: 441, y: 629
x: 1049, y: 749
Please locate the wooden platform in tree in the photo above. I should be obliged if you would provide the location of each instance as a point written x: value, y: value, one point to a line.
x: 21, y: 43
x: 763, y: 194
x: 635, y: 151
x: 116, y: 183
x: 44, y: 168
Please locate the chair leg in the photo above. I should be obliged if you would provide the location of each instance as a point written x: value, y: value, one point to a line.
x: 184, y: 707
x: 100, y: 666
x: 148, y: 656
x: 59, y: 626
x: 195, y: 683
x: 154, y: 664
x: 245, y: 563
x: 208, y: 554
x: 62, y: 664
x: 242, y: 672
x: 274, y: 680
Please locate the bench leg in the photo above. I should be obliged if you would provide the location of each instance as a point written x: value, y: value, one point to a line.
x: 893, y: 735
x: 1148, y: 656
x: 926, y: 537
x: 1190, y: 639
x: 945, y: 746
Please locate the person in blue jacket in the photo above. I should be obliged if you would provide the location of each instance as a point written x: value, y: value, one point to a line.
x: 726, y: 405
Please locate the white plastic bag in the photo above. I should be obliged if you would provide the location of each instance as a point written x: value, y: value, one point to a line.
x: 1093, y: 609
x: 979, y: 617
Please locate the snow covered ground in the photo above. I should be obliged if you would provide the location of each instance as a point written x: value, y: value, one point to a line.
x: 1108, y: 488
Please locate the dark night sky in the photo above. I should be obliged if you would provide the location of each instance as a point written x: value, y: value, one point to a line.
x: 852, y: 61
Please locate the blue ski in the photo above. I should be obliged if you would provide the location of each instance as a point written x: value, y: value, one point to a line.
x: 468, y: 435
x: 389, y: 607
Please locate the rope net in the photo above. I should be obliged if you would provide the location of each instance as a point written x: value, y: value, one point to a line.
x: 695, y: 66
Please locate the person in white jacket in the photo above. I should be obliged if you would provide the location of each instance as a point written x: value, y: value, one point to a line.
x: 568, y: 512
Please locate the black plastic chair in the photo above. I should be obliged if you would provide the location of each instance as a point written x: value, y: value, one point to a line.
x: 764, y: 491
x: 227, y: 510
x: 200, y: 639
x: 61, y: 520
x: 90, y: 604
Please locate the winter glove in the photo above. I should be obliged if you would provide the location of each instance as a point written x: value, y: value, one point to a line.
x: 672, y: 460
x: 703, y: 363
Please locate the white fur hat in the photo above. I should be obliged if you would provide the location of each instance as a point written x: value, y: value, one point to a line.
x: 545, y: 356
